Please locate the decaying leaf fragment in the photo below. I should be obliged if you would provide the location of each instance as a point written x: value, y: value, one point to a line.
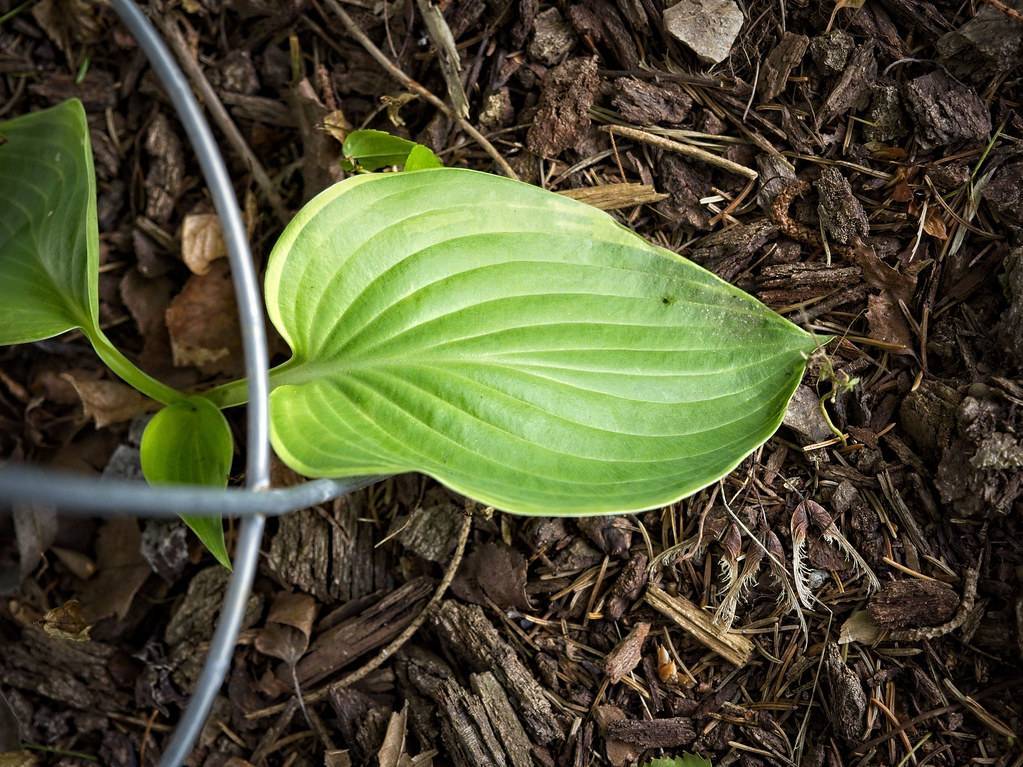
x: 121, y: 570
x: 202, y: 241
x: 289, y: 626
x: 203, y: 325
x: 107, y: 402
x: 66, y: 622
x: 803, y: 515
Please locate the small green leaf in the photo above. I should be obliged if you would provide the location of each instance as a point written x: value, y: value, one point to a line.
x: 374, y: 149
x: 686, y: 760
x: 49, y: 242
x: 189, y: 442
x: 421, y: 158
x: 521, y: 347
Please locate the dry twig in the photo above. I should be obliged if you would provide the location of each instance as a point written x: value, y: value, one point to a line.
x: 685, y: 150
x: 395, y: 72
x: 172, y: 34
x: 999, y: 5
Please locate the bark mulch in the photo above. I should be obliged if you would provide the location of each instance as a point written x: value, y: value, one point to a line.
x: 851, y: 595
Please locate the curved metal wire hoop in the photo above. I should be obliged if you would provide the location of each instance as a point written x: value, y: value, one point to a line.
x: 74, y: 493
x: 257, y: 364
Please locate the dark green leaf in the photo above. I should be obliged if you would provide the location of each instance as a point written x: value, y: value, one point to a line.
x: 49, y: 242
x: 49, y: 239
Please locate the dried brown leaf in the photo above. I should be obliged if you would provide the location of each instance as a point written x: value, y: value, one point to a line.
x: 393, y: 747
x: 147, y: 300
x: 66, y: 622
x: 295, y: 610
x: 108, y: 402
x: 879, y: 275
x: 887, y: 323
x: 81, y: 566
x: 497, y: 571
x: 289, y: 626
x: 337, y: 759
x: 934, y: 225
x: 35, y: 528
x: 202, y: 241
x: 203, y: 323
x: 122, y: 571
x: 70, y: 23
x: 619, y: 753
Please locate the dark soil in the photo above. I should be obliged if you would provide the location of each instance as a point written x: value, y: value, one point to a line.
x: 837, y: 600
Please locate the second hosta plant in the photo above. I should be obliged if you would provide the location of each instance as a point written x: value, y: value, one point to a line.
x: 520, y: 347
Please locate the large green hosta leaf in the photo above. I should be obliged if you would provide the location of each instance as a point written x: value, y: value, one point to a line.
x: 48, y: 234
x: 520, y: 347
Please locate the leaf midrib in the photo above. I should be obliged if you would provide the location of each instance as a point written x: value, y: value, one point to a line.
x: 297, y: 372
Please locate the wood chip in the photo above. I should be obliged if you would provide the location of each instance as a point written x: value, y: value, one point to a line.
x: 563, y: 115
x: 615, y: 196
x: 466, y: 630
x: 627, y: 653
x: 853, y: 87
x: 374, y: 627
x: 733, y: 647
x: 654, y: 733
x: 502, y: 718
x: 913, y: 603
x: 785, y: 56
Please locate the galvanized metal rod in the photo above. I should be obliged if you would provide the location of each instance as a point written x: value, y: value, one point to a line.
x: 250, y: 310
x: 87, y: 495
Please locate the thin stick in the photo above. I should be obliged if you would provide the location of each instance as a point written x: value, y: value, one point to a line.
x: 381, y: 58
x: 447, y: 54
x: 172, y: 34
x: 396, y: 644
x: 1012, y: 13
x: 683, y: 149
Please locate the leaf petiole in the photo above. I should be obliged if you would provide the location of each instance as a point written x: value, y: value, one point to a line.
x: 126, y: 370
x: 235, y: 393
